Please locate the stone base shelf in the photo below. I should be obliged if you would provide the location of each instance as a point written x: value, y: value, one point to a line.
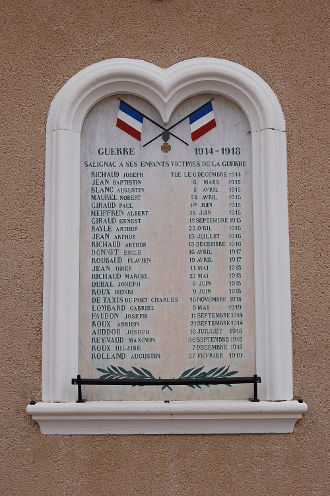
x: 177, y: 417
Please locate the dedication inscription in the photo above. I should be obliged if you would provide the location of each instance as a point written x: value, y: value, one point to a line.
x: 166, y: 248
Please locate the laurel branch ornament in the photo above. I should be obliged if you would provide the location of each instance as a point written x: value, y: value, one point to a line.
x: 112, y: 372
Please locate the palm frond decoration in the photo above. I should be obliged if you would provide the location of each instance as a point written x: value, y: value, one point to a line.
x: 199, y: 373
x: 112, y: 372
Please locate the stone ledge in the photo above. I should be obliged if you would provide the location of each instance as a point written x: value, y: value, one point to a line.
x: 157, y: 417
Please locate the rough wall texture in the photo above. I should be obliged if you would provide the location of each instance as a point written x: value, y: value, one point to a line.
x: 45, y: 42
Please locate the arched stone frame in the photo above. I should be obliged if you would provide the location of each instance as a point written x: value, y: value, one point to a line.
x: 165, y: 89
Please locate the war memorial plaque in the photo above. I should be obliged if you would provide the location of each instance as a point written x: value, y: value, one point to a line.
x: 166, y: 279
x: 166, y: 248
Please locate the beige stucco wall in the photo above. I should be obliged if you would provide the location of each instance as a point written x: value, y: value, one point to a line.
x: 43, y: 43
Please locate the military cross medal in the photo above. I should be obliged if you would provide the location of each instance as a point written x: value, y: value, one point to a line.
x: 166, y: 147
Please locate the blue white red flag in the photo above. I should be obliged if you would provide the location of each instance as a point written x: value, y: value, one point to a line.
x: 129, y: 120
x: 202, y: 121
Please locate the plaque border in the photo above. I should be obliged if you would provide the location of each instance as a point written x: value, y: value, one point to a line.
x: 165, y: 89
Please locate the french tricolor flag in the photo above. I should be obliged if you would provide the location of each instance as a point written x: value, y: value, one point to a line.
x: 202, y: 121
x: 129, y: 120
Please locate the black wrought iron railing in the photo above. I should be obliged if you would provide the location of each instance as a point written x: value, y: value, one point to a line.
x: 79, y: 381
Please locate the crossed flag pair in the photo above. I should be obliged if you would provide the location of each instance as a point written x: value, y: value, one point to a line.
x: 130, y: 121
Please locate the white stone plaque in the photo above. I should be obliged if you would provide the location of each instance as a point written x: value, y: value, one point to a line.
x: 166, y: 248
x: 166, y: 251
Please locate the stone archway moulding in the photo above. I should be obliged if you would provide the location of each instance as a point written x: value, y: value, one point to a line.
x: 165, y: 89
